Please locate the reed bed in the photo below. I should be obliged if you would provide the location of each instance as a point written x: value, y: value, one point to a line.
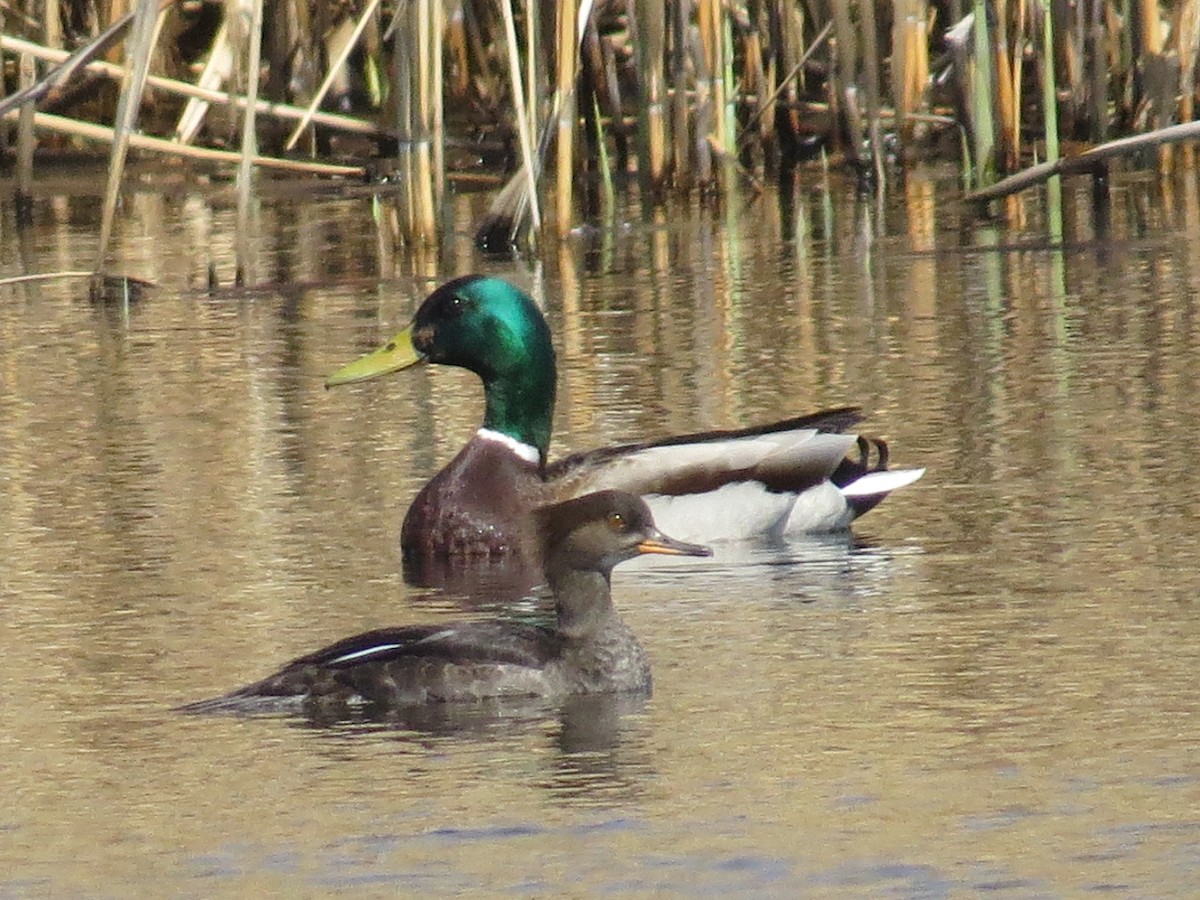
x: 690, y: 96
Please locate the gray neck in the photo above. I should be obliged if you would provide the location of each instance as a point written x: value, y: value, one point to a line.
x: 583, y: 601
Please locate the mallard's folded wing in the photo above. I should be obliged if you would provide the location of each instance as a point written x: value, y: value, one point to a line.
x: 789, y: 460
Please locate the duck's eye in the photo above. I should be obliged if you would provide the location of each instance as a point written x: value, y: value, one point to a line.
x: 616, y: 522
x: 455, y: 304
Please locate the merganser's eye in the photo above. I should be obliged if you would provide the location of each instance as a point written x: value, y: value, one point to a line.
x: 616, y: 522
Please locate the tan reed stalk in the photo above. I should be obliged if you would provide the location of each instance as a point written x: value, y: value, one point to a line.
x: 52, y: 24
x: 651, y: 49
x: 871, y: 85
x: 789, y: 81
x: 712, y: 23
x: 459, y: 43
x: 62, y: 73
x: 103, y: 134
x: 1188, y: 30
x: 1124, y: 112
x: 707, y: 109
x: 249, y: 150
x: 1150, y: 53
x: 681, y: 11
x: 760, y: 81
x: 436, y: 96
x: 183, y: 89
x: 216, y: 72
x: 417, y: 54
x: 1150, y: 20
x: 568, y: 61
x: 1021, y: 35
x: 910, y: 71
x: 529, y: 160
x: 533, y: 71
x: 792, y: 55
x: 1005, y: 110
x: 335, y: 67
x: 138, y: 53
x: 1098, y: 59
x: 404, y: 77
x: 426, y: 211
x: 26, y: 139
x: 843, y: 88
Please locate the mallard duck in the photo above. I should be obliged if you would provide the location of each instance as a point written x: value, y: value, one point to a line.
x: 799, y: 475
x: 588, y: 650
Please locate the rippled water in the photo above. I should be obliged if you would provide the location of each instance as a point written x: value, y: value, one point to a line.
x: 991, y: 688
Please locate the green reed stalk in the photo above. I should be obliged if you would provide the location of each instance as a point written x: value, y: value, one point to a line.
x: 608, y: 194
x: 981, y: 93
x: 727, y: 135
x: 1050, y: 125
x: 1049, y: 89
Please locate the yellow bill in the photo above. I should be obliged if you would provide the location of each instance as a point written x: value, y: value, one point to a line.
x: 398, y: 353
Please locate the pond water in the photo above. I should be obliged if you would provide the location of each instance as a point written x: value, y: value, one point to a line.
x: 992, y: 687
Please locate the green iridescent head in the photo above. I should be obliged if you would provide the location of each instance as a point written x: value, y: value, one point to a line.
x: 492, y: 328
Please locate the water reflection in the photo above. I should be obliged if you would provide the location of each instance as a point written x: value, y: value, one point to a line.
x: 477, y: 584
x: 1002, y: 659
x: 593, y: 747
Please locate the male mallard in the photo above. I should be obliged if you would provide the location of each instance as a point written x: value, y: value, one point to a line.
x: 588, y: 651
x: 792, y: 476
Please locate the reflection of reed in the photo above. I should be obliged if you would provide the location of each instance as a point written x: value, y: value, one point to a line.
x: 180, y: 500
x: 716, y: 85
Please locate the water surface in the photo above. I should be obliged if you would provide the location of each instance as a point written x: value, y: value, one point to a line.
x: 990, y: 688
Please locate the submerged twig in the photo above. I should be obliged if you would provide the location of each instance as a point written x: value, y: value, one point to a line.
x: 1087, y: 161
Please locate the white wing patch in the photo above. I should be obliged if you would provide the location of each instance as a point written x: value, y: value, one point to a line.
x: 881, y: 482
x: 733, y: 512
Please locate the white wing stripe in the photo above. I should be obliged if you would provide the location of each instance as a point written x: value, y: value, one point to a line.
x: 362, y: 654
